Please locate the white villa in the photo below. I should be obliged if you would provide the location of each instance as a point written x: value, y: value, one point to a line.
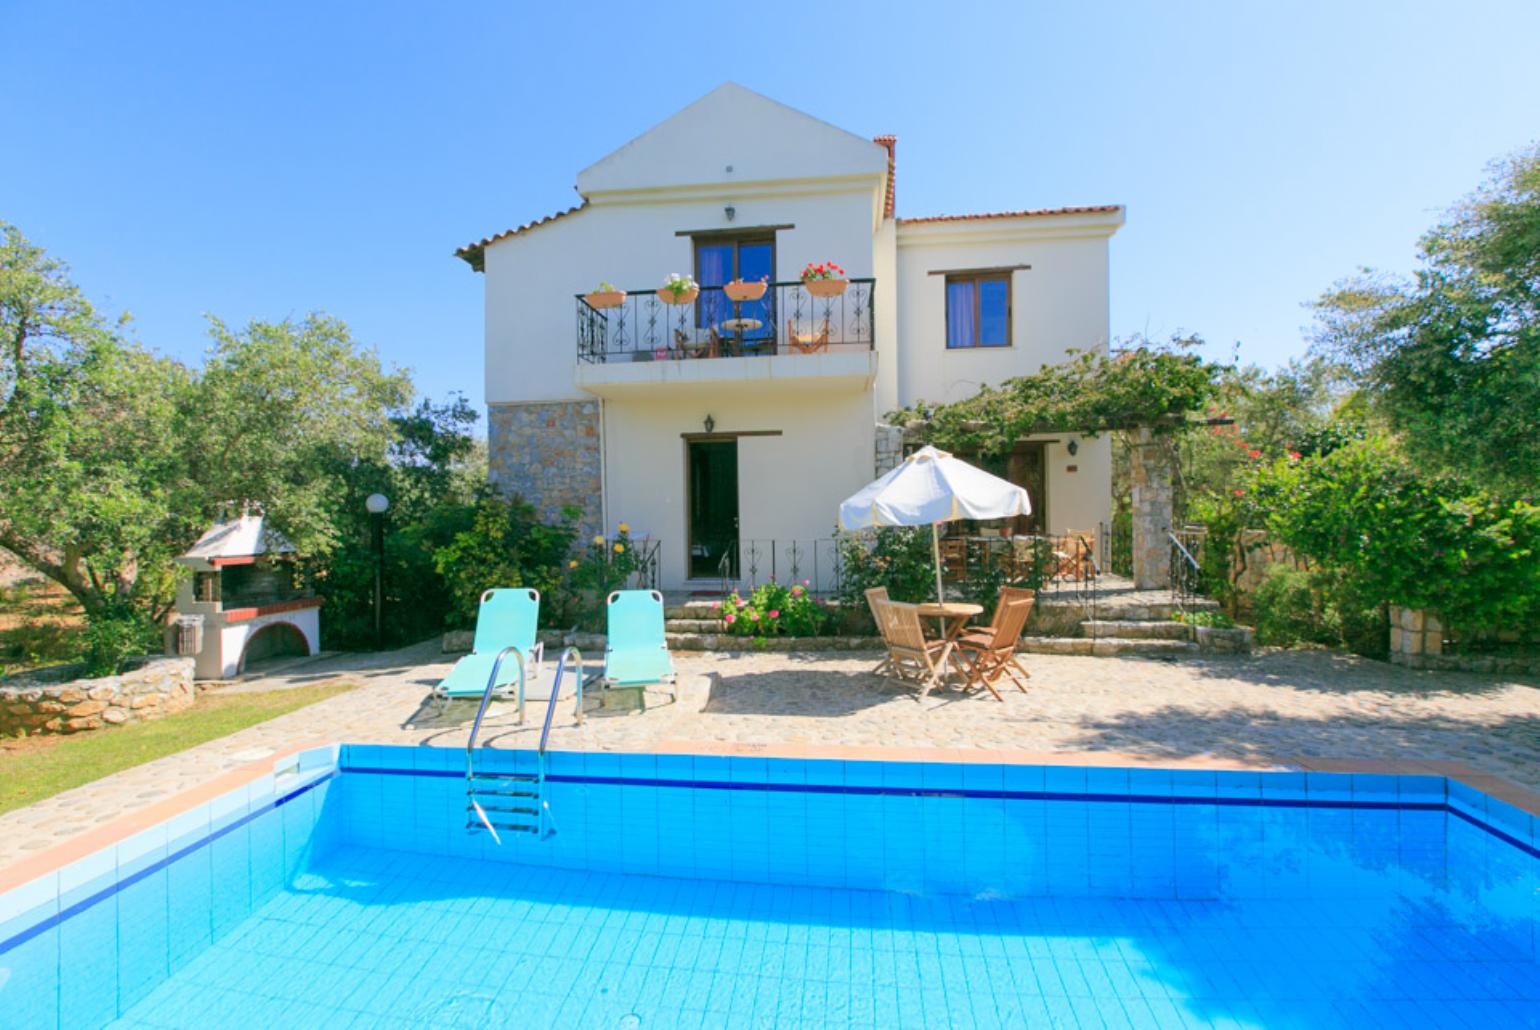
x: 728, y: 431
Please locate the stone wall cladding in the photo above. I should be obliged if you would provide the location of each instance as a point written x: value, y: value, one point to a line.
x: 889, y: 448
x: 548, y: 454
x: 47, y: 702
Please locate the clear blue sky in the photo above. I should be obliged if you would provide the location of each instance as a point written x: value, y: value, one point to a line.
x: 266, y: 159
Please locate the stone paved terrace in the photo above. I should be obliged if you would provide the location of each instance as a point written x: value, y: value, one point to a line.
x: 1268, y: 710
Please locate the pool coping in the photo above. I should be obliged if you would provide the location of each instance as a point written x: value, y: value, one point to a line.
x: 51, y: 860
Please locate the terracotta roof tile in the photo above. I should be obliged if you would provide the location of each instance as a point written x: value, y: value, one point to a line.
x: 891, y: 142
x: 1095, y: 209
x: 473, y: 253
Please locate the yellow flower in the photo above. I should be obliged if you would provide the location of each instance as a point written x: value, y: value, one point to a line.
x: 624, y: 528
x: 620, y: 548
x: 572, y: 564
x: 598, y: 539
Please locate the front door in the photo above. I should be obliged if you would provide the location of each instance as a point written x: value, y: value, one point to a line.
x: 713, y: 478
x: 1027, y: 468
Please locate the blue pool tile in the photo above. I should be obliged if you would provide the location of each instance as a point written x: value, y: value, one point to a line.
x: 1024, y: 778
x: 678, y: 768
x: 820, y: 772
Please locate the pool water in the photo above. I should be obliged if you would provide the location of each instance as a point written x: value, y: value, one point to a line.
x: 686, y: 891
x: 388, y: 939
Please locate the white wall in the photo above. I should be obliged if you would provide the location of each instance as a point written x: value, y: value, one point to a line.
x: 1059, y: 304
x: 789, y: 486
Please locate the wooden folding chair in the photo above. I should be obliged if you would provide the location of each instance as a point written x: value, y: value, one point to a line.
x: 875, y: 597
x: 989, y: 654
x: 911, y: 657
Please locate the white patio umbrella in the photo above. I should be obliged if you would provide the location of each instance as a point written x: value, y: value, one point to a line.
x: 929, y: 488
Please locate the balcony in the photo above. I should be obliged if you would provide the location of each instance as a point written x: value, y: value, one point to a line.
x: 788, y: 335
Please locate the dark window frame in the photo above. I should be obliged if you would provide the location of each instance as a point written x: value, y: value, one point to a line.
x: 977, y: 279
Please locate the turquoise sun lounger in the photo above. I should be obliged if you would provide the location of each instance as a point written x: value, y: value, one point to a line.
x: 635, y: 651
x: 507, y: 617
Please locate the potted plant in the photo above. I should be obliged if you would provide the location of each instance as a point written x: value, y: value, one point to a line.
x: 824, y: 280
x: 738, y: 290
x: 679, y: 289
x: 605, y: 295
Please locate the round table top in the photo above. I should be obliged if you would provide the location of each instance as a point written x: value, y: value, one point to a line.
x: 734, y: 325
x: 950, y: 609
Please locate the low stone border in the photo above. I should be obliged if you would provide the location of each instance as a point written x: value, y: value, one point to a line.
x: 1502, y: 664
x: 48, y: 701
x: 1210, y: 639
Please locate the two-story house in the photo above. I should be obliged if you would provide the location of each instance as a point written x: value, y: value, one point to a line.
x: 723, y: 426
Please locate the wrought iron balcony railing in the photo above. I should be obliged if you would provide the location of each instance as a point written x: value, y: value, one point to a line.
x: 787, y: 319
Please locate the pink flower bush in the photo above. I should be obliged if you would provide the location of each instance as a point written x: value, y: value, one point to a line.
x: 730, y: 618
x: 774, y: 614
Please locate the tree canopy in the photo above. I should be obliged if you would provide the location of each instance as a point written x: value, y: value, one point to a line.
x: 113, y: 459
x: 1146, y: 385
x: 1451, y: 355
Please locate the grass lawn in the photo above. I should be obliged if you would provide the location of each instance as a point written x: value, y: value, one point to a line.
x: 34, y: 768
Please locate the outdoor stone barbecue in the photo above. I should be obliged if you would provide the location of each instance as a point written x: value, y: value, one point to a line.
x: 49, y: 701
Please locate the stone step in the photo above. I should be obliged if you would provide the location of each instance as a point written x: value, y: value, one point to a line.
x: 1129, y: 629
x: 715, y: 641
x: 696, y: 609
x: 692, y: 625
x: 1107, y: 646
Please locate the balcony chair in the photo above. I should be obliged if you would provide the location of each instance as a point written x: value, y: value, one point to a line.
x: 989, y: 655
x: 506, y: 617
x: 806, y: 342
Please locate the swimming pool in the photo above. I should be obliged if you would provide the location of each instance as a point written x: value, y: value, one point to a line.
x: 345, y: 890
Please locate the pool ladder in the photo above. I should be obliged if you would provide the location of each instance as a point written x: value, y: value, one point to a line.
x: 515, y: 801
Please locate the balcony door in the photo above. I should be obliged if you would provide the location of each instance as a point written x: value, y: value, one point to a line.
x: 720, y: 260
x: 713, y: 528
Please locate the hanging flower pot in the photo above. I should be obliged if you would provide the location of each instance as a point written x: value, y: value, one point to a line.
x: 824, y: 280
x: 826, y: 287
x: 679, y: 289
x: 605, y: 296
x: 738, y: 290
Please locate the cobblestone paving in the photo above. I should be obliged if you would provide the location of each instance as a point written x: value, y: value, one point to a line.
x: 1263, y: 709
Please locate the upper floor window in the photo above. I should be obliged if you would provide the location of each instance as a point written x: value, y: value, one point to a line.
x: 978, y: 310
x: 721, y: 258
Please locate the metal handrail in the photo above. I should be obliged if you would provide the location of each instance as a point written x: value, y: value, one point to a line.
x: 1181, y: 548
x: 561, y: 663
x: 545, y: 732
x: 859, y: 280
x: 486, y: 696
x: 481, y: 711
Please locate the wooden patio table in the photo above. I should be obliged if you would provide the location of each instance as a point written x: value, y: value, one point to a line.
x: 951, y: 617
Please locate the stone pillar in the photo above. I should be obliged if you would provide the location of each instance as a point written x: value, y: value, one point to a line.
x: 548, y: 454
x: 1416, y: 636
x: 1151, y: 466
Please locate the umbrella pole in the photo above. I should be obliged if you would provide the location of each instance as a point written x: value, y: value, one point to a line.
x: 935, y: 550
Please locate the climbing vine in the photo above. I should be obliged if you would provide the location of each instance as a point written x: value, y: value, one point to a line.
x: 1148, y: 385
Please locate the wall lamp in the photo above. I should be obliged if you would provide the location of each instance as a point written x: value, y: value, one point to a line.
x: 710, y: 424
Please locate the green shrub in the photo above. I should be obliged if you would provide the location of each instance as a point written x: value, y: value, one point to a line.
x: 113, y: 637
x: 1294, y: 606
x: 896, y: 557
x: 506, y: 545
x: 1387, y: 532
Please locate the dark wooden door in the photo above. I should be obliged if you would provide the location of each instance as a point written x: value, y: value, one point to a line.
x: 713, y: 476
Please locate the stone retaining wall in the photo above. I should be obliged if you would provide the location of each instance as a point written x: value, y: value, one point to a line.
x: 47, y: 702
